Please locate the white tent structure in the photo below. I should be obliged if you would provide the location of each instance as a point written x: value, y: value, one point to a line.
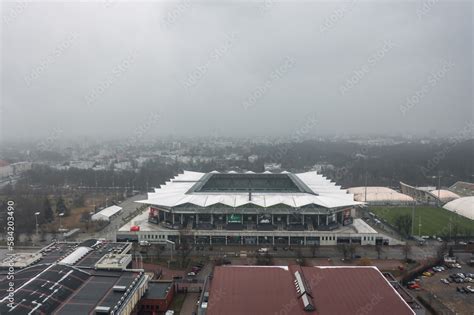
x: 462, y: 206
x: 106, y: 214
x: 379, y: 196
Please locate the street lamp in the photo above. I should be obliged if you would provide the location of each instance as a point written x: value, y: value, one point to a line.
x: 172, y: 247
x: 36, y: 219
x: 60, y: 216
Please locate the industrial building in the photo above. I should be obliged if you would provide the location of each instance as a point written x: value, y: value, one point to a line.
x: 251, y: 209
x: 74, y: 278
x: 300, y: 290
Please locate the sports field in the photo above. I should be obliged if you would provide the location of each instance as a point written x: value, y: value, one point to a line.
x: 434, y: 221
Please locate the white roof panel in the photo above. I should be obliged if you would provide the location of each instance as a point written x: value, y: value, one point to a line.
x: 324, y: 193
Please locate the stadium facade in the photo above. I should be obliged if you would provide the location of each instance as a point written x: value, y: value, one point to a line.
x: 250, y: 209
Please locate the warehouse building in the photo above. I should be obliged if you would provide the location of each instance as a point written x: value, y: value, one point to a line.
x: 300, y: 290
x: 74, y: 278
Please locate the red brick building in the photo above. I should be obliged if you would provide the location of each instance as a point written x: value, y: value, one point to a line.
x: 158, y: 298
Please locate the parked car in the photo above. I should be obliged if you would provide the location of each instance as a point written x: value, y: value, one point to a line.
x: 191, y: 274
x: 470, y: 289
x: 445, y: 281
x: 427, y: 274
x: 414, y: 286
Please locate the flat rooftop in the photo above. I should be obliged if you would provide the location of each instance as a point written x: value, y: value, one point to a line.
x: 158, y: 289
x: 300, y: 290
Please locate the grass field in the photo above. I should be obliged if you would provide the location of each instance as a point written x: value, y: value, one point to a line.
x: 434, y: 221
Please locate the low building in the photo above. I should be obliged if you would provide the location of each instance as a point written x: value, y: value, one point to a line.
x: 300, y: 290
x: 106, y: 214
x: 157, y: 298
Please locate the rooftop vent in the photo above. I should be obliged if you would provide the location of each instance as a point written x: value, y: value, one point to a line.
x: 102, y: 310
x: 119, y: 288
x: 303, y: 293
x: 307, y: 302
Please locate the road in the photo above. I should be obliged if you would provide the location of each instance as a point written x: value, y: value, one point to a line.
x: 388, y: 252
x: 128, y: 206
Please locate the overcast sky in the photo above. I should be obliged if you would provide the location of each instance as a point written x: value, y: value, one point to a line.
x: 103, y: 69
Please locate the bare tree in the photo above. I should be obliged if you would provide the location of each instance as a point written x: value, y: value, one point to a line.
x: 379, y: 250
x: 184, y: 248
x: 314, y: 249
x: 344, y: 249
x: 406, y: 250
x: 441, y: 250
x: 352, y: 250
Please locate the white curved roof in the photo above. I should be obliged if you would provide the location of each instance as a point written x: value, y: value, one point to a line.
x: 378, y: 194
x: 462, y: 206
x: 444, y: 194
x: 325, y: 193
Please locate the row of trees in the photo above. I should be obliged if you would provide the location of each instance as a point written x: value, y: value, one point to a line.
x: 60, y: 208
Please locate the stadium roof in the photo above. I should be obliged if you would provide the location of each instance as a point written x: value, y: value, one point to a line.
x: 264, y: 190
x: 378, y: 194
x: 463, y: 206
x: 302, y: 290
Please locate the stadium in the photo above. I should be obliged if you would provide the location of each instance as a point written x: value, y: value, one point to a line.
x: 251, y: 209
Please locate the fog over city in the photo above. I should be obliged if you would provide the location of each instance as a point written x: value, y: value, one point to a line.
x: 246, y: 68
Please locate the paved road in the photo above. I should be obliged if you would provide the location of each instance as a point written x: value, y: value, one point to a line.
x: 128, y: 206
x: 189, y: 305
x: 388, y: 252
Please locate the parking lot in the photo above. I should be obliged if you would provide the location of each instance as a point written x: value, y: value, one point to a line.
x: 447, y: 293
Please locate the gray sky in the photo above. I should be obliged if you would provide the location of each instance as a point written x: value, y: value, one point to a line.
x: 239, y: 69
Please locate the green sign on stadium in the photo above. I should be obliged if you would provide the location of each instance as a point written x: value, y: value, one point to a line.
x: 235, y: 218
